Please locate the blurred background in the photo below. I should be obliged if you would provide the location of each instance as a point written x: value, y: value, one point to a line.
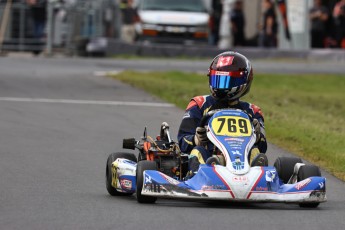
x: 112, y: 27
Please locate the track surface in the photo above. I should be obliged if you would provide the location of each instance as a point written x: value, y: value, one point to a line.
x: 53, y: 154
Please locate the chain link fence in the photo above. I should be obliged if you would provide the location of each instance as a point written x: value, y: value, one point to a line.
x: 16, y: 27
x: 70, y: 25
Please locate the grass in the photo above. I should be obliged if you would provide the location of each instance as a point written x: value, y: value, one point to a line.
x: 136, y: 57
x: 304, y: 114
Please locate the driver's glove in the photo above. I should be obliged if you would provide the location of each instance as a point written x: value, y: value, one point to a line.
x: 200, y: 138
x: 257, y: 130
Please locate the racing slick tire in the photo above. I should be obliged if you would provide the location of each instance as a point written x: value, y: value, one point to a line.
x: 285, y: 167
x: 305, y: 172
x: 108, y: 174
x: 141, y: 167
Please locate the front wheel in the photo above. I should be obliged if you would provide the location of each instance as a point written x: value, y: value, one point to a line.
x: 108, y: 173
x: 305, y: 172
x: 141, y: 167
x: 285, y: 167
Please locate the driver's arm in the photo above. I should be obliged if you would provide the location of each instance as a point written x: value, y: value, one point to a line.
x: 261, y: 143
x: 186, y: 133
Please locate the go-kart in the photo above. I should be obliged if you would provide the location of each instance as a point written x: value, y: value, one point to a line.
x: 232, y: 179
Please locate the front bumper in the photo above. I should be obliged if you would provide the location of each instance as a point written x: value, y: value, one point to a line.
x: 211, y: 184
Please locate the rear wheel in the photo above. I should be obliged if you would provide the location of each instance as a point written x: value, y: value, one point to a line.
x: 285, y: 167
x: 108, y: 173
x: 141, y: 167
x: 305, y: 172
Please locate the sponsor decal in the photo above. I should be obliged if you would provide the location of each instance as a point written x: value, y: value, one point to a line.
x: 221, y: 73
x: 234, y: 139
x: 238, y: 179
x: 235, y: 144
x: 126, y: 184
x: 223, y: 61
x: 213, y: 187
x: 231, y: 113
x: 302, y: 184
x: 238, y: 165
x: 321, y: 184
x: 270, y: 175
x: 235, y: 147
x: 261, y: 189
x: 236, y: 153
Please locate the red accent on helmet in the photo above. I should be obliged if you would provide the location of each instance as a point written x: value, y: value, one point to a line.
x: 232, y: 73
x: 225, y: 61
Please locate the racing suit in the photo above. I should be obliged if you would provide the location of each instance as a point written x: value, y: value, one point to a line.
x: 198, y: 107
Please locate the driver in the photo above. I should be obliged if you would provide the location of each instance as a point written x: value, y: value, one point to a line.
x: 230, y: 76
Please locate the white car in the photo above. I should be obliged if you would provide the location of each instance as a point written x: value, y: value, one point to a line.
x: 173, y: 21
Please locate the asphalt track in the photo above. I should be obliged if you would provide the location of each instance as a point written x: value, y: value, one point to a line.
x: 57, y: 127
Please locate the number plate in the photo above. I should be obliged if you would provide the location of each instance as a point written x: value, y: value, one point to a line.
x: 231, y: 126
x: 176, y: 29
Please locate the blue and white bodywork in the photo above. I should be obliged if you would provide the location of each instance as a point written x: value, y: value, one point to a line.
x: 232, y: 132
x: 123, y: 175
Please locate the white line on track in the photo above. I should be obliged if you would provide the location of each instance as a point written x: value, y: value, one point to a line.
x: 86, y: 102
x: 106, y: 73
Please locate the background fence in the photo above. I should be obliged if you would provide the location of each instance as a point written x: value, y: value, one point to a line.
x: 69, y: 26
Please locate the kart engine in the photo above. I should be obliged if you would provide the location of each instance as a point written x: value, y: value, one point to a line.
x: 169, y: 165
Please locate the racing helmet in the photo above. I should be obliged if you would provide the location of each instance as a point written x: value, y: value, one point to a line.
x: 230, y: 76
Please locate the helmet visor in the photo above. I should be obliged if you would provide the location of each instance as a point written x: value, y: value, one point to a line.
x: 226, y: 80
